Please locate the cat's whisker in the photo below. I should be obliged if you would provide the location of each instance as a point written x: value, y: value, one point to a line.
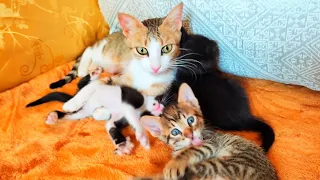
x: 167, y: 98
x: 179, y: 57
x: 186, y: 63
x: 191, y: 61
x: 185, y: 49
x: 188, y: 67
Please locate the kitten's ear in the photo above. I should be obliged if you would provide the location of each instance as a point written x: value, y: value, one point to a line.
x: 186, y: 95
x: 152, y: 124
x: 174, y: 18
x: 129, y: 24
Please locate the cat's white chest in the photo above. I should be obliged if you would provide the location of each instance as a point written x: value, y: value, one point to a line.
x: 143, y: 79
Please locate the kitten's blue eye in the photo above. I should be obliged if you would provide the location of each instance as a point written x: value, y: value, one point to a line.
x: 175, y: 132
x: 190, y: 120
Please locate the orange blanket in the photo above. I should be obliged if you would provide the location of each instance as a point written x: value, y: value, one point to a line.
x: 83, y: 150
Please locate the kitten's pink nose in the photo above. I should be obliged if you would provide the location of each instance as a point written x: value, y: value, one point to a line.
x: 155, y: 69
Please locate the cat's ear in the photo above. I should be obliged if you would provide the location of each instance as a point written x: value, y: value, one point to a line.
x: 129, y: 24
x: 152, y: 124
x: 174, y: 18
x: 186, y: 95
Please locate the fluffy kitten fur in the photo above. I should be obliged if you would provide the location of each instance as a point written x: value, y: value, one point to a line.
x: 218, y: 156
x: 223, y: 101
x: 143, y: 50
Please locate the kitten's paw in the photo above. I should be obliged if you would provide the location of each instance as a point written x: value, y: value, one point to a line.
x: 143, y: 139
x: 52, y: 118
x: 101, y: 113
x: 124, y: 147
x: 95, y: 73
x: 175, y: 169
x: 70, y: 107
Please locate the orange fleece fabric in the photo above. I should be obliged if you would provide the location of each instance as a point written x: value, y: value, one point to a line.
x: 82, y: 149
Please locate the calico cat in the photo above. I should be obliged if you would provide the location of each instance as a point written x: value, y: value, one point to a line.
x: 223, y: 101
x: 112, y: 103
x: 204, y: 154
x: 143, y: 50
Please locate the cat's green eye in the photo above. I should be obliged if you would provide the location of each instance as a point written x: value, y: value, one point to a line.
x: 175, y: 132
x: 166, y: 49
x: 142, y: 50
x: 190, y: 120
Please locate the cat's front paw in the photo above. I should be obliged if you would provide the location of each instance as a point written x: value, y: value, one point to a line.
x: 143, y: 139
x: 70, y: 107
x: 124, y: 147
x: 175, y: 169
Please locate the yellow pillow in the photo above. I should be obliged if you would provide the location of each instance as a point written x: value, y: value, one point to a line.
x: 36, y: 36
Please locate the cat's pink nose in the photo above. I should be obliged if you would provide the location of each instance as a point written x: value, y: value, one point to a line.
x: 155, y: 69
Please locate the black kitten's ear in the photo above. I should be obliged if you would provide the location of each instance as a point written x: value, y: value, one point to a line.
x: 152, y: 124
x: 186, y: 95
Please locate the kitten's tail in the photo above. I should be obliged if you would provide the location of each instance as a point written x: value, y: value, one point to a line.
x: 54, y: 96
x: 69, y: 77
x: 267, y: 133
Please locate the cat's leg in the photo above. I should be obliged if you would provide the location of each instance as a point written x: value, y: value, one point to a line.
x: 85, y: 62
x: 133, y: 119
x: 54, y: 116
x: 123, y: 144
x: 91, y: 58
x: 81, y: 97
x: 176, y: 167
x: 101, y: 113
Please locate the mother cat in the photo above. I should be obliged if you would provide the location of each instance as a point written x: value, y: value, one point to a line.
x: 143, y: 53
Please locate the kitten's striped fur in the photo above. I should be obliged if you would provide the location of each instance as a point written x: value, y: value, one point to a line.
x: 219, y: 156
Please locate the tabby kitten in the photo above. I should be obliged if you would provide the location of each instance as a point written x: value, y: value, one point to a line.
x: 143, y: 50
x: 202, y: 154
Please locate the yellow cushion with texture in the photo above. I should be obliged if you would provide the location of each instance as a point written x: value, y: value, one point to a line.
x: 36, y: 36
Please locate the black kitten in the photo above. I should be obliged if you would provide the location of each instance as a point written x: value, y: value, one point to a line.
x: 224, y: 102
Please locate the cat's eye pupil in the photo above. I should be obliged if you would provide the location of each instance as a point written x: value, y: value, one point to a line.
x: 190, y: 120
x: 175, y: 132
x: 166, y: 48
x: 142, y: 50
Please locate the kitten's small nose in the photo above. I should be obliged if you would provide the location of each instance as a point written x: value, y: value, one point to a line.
x: 188, y: 133
x: 155, y: 69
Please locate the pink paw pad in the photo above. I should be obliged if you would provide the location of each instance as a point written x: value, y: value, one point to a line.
x: 52, y: 118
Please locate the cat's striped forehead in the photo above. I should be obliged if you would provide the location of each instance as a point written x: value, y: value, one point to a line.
x: 153, y: 26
